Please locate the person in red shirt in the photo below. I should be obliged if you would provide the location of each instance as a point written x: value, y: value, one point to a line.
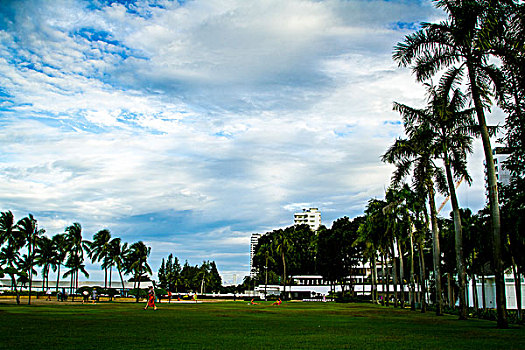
x: 151, y: 299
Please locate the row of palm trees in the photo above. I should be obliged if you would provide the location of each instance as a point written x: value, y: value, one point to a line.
x: 461, y: 50
x: 68, y: 249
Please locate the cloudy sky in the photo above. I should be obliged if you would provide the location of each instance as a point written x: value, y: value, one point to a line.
x: 191, y: 125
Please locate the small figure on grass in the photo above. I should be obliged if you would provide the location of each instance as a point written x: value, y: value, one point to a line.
x: 195, y: 297
x: 151, y: 299
x: 253, y: 302
x: 169, y: 296
x: 94, y: 296
x: 48, y: 293
x: 85, y: 296
x: 277, y: 302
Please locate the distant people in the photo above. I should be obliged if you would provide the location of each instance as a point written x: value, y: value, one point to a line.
x: 195, y: 297
x: 85, y: 296
x: 48, y: 293
x: 94, y: 296
x: 253, y: 302
x: 151, y: 299
x: 278, y: 302
x: 169, y: 296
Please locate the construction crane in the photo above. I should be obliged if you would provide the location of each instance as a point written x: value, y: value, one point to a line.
x: 448, y: 197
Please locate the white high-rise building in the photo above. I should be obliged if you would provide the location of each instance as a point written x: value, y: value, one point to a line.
x: 253, y: 243
x: 500, y: 154
x: 310, y: 217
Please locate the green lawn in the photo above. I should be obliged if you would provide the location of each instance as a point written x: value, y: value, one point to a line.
x: 238, y: 325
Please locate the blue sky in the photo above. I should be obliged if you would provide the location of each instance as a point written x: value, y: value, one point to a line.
x: 191, y: 125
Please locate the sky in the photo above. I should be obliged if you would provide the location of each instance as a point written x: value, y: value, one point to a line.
x: 190, y: 125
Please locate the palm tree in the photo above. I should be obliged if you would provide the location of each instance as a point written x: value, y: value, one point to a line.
x: 100, y: 248
x: 415, y: 152
x: 282, y: 245
x: 75, y: 264
x: 7, y: 226
x: 44, y: 255
x: 266, y: 250
x: 60, y: 252
x: 461, y: 40
x: 117, y: 255
x: 137, y: 262
x: 449, y: 128
x: 368, y: 236
x: 29, y: 228
x: 75, y: 246
x: 9, y: 254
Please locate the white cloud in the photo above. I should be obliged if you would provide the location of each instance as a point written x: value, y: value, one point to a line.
x: 215, y: 118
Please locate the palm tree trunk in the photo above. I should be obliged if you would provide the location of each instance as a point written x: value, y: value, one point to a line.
x: 475, y: 291
x: 493, y: 201
x: 394, y: 271
x: 483, y: 289
x: 437, y: 251
x: 284, y: 273
x: 458, y: 241
x: 30, y: 258
x: 374, y: 279
x: 138, y: 288
x: 449, y: 289
x: 17, y: 293
x: 386, y: 280
x: 58, y: 277
x: 401, y: 273
x: 121, y: 279
x: 383, y: 279
x: 423, y: 277
x: 412, y: 275
x: 517, y: 286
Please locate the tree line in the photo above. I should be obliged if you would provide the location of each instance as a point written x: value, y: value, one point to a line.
x: 477, y: 55
x: 25, y: 247
x: 176, y: 278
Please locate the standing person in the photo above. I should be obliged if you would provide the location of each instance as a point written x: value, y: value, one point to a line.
x: 94, y: 296
x: 195, y: 297
x: 85, y: 295
x: 169, y: 296
x: 48, y: 293
x: 151, y: 298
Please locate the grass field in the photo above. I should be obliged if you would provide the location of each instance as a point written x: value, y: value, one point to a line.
x: 238, y: 325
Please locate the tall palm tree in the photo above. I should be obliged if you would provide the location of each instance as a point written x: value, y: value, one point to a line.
x: 7, y: 226
x: 369, y: 235
x: 266, y: 249
x: 44, y: 255
x: 29, y: 228
x: 137, y: 262
x: 117, y: 255
x: 75, y: 264
x: 450, y: 129
x: 415, y: 152
x: 75, y: 246
x: 100, y: 250
x: 59, y: 254
x: 10, y: 259
x: 282, y: 245
x: 461, y: 40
